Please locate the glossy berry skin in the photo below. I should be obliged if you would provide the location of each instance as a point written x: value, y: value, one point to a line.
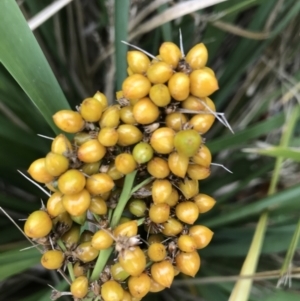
x: 158, y: 168
x: 198, y: 172
x: 145, y: 111
x: 102, y: 99
x: 202, y: 122
x: 79, y: 287
x: 85, y: 252
x: 170, y: 53
x: 126, y: 115
x: 157, y: 252
x: 91, y: 109
x: 91, y: 151
x: 176, y: 121
x: 128, y: 135
x: 187, y: 212
x: 38, y: 224
x: 203, y: 83
x: 136, y: 86
x: 129, y: 229
x: 159, y: 213
x: 91, y: 168
x: 163, y: 273
x: 179, y: 86
x: 203, y: 156
x: 189, y: 188
x: 142, y: 152
x: 178, y: 164
x: 137, y: 207
x: 138, y: 61
x: 172, y: 227
x: 161, y: 190
x: 56, y: 164
x: 139, y: 286
x: 194, y: 103
x: 61, y: 145
x: 110, y: 117
x: 187, y: 142
x: 197, y: 56
x: 202, y: 235
x: 133, y: 261
x: 52, y: 259
x: 186, y: 243
x: 98, y: 205
x: 112, y: 291
x: 39, y: 172
x: 78, y: 203
x: 108, y: 137
x: 160, y: 95
x: 68, y: 121
x: 81, y: 137
x: 99, y: 183
x: 155, y: 287
x: 173, y: 198
x: 118, y: 273
x: 102, y: 240
x: 125, y: 163
x: 204, y: 202
x: 71, y: 237
x: 162, y: 140
x: 188, y: 263
x: 55, y: 205
x: 71, y: 182
x: 113, y: 172
x: 159, y: 73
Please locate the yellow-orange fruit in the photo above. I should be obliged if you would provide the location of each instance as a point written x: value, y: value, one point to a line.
x: 102, y: 240
x: 110, y: 117
x: 186, y: 243
x: 202, y: 83
x: 56, y: 164
x: 55, y: 205
x: 203, y: 156
x: 187, y: 142
x: 99, y: 183
x: 71, y: 182
x: 172, y: 227
x: 79, y: 287
x: 170, y: 53
x: 108, y: 137
x: 198, y: 172
x: 178, y: 164
x: 159, y: 213
x: 162, y: 140
x: 189, y: 188
x: 91, y: 109
x: 176, y: 121
x: 159, y: 73
x: 160, y: 95
x: 138, y: 61
x: 125, y: 163
x: 139, y: 286
x: 118, y: 273
x: 52, y: 259
x: 197, y: 56
x: 126, y: 115
x: 188, y: 263
x: 202, y: 235
x: 187, y: 212
x: 179, y: 86
x: 78, y: 203
x: 157, y: 252
x: 102, y: 99
x: 39, y: 172
x: 85, y: 252
x: 113, y: 172
x: 38, y: 224
x: 158, y: 168
x: 68, y: 121
x: 194, y: 103
x: 129, y: 229
x: 161, y: 190
x: 98, y: 205
x: 145, y: 111
x: 133, y: 261
x: 112, y: 291
x: 172, y: 200
x: 129, y: 134
x: 71, y: 237
x: 136, y: 86
x: 155, y: 287
x: 61, y: 145
x: 129, y: 71
x: 91, y: 151
x: 204, y: 202
x: 163, y: 273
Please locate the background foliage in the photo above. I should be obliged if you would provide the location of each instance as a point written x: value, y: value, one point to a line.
x: 253, y: 47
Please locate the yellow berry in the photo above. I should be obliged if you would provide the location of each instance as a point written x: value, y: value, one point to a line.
x: 91, y: 151
x: 170, y: 53
x: 204, y: 202
x: 102, y: 99
x: 197, y: 56
x: 56, y: 164
x: 99, y: 183
x: 78, y: 203
x: 91, y: 109
x: 71, y: 182
x: 188, y: 263
x: 139, y: 286
x: 38, y: 224
x: 136, y: 86
x: 179, y: 86
x: 145, y: 111
x: 163, y: 273
x: 55, y: 205
x: 138, y: 61
x: 39, y: 172
x: 110, y: 117
x: 108, y: 137
x: 68, y: 121
x: 160, y: 95
x: 79, y: 287
x: 52, y: 259
x: 112, y: 291
x: 159, y: 73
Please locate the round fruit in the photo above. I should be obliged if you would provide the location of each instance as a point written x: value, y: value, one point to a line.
x: 203, y: 156
x: 38, y: 224
x: 91, y: 151
x: 159, y: 73
x: 161, y: 190
x: 189, y: 188
x: 158, y: 168
x: 71, y: 237
x: 136, y: 86
x: 172, y: 227
x: 138, y: 61
x: 68, y: 121
x: 129, y: 229
x: 126, y: 115
x: 79, y: 269
x: 187, y: 142
x: 204, y: 202
x: 98, y: 205
x: 157, y: 252
x: 155, y: 287
x: 39, y: 172
x: 113, y: 172
x: 159, y: 213
x: 78, y: 203
x: 162, y: 140
x: 188, y: 263
x: 197, y: 56
x: 91, y: 109
x: 52, y: 259
x: 55, y: 205
x: 85, y: 252
x: 163, y: 273
x: 160, y: 95
x: 133, y: 261
x: 176, y: 121
x: 112, y: 291
x: 139, y: 286
x: 56, y: 164
x: 99, y: 183
x: 145, y: 111
x: 202, y: 235
x: 71, y: 182
x: 137, y: 207
x: 170, y: 53
x: 142, y: 152
x: 178, y: 164
x: 61, y: 145
x: 102, y: 240
x: 203, y: 83
x: 129, y: 134
x: 118, y: 273
x: 194, y: 104
x: 108, y: 137
x: 179, y: 86
x: 125, y: 163
x: 202, y: 122
x: 187, y: 212
x: 79, y: 287
x: 173, y: 198
x: 198, y: 172
x: 90, y: 168
x: 186, y: 243
x: 102, y: 99
x: 110, y: 117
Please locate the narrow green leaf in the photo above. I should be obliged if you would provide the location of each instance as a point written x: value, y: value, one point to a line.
x: 23, y: 58
x: 121, y: 34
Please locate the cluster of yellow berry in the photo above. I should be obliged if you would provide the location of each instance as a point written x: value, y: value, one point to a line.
x: 125, y: 192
